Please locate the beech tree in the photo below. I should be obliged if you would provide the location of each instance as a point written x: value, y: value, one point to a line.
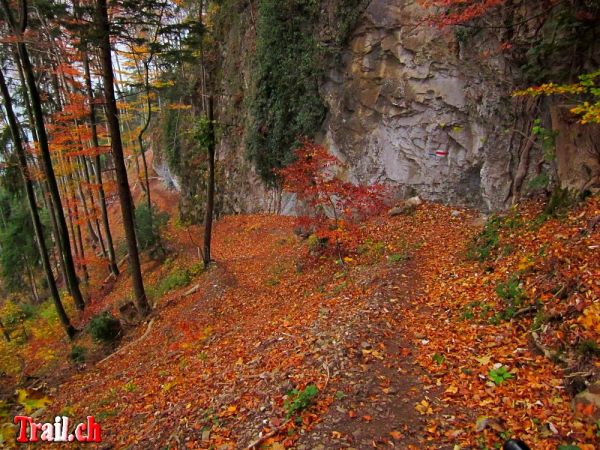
x: 125, y: 198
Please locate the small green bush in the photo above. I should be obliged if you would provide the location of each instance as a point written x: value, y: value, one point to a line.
x: 500, y: 375
x: 398, y: 257
x: 560, y: 201
x: 371, y: 248
x: 482, y: 245
x: 300, y: 400
x: 77, y: 354
x: 513, y: 295
x: 178, y: 278
x: 510, y: 290
x: 316, y: 244
x: 589, y: 348
x: 148, y: 223
x: 538, y: 182
x: 105, y: 328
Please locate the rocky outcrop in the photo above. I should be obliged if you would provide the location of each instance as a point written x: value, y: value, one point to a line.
x: 408, y: 107
x: 427, y: 111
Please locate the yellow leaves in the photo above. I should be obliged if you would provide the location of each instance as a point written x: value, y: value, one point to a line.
x: 373, y: 353
x: 484, y: 360
x: 590, y: 319
x: 139, y: 49
x: 525, y: 263
x: 7, y: 435
x: 424, y: 408
x: 168, y: 386
x: 179, y: 107
x: 232, y: 409
x: 30, y: 402
x: 162, y: 84
x: 452, y: 389
x: 550, y: 89
x: 589, y: 111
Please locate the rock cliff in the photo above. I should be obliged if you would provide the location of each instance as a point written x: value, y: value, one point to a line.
x: 427, y: 111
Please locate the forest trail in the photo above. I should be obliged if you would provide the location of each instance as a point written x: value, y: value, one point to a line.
x: 400, y: 339
x: 267, y: 318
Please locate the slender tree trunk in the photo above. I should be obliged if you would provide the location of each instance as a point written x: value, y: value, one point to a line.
x: 36, y: 105
x: 210, y: 197
x: 93, y: 226
x: 60, y: 261
x: 34, y: 292
x: 37, y: 224
x: 117, y: 150
x: 78, y: 239
x: 141, y: 138
x: 98, y: 168
x: 43, y: 185
x: 93, y: 208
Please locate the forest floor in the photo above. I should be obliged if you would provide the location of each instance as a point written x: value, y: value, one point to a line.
x: 410, y: 343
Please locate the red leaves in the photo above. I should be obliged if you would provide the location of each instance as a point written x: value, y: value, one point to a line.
x: 315, y: 178
x: 459, y: 11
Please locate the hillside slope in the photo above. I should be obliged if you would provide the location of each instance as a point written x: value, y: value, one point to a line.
x: 421, y: 338
x: 401, y: 340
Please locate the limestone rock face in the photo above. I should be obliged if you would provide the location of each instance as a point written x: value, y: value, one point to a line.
x: 408, y: 107
x: 421, y: 109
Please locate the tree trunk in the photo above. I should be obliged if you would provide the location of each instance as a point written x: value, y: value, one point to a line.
x: 141, y: 139
x: 210, y: 197
x: 98, y: 169
x: 93, y: 224
x: 43, y: 185
x: 36, y: 105
x: 37, y: 224
x: 34, y: 292
x: 125, y: 198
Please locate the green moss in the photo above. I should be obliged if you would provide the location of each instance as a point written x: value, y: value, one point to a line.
x: 285, y: 104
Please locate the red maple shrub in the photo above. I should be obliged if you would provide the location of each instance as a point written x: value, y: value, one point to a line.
x: 334, y: 206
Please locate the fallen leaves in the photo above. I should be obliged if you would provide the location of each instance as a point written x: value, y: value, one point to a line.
x: 218, y: 364
x: 424, y: 407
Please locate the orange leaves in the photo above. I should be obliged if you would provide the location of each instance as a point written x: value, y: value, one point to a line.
x: 590, y: 319
x: 396, y: 435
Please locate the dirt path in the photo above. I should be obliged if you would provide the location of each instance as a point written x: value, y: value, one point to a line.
x: 215, y: 366
x: 383, y: 337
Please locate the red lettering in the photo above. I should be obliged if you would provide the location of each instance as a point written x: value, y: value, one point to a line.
x: 94, y: 431
x: 22, y: 421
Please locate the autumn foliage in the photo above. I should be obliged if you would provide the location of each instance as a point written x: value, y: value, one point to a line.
x: 458, y: 11
x: 334, y: 206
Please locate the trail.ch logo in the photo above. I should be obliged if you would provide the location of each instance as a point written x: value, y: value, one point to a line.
x: 31, y: 431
